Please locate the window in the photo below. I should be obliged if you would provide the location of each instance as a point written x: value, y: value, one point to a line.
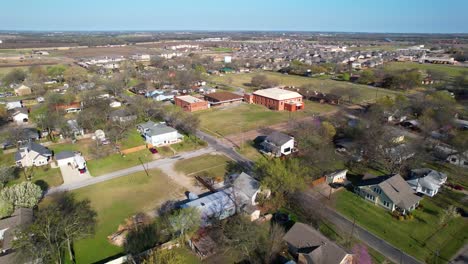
x: 287, y: 150
x: 453, y: 159
x: 386, y: 204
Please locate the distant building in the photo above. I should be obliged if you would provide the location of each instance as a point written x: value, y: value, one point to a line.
x: 23, y: 90
x: 20, y: 115
x: 159, y: 134
x: 191, y: 104
x: 276, y: 99
x: 278, y: 144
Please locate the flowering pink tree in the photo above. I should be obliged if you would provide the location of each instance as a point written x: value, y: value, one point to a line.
x: 362, y: 255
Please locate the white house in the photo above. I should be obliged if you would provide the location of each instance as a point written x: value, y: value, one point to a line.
x: 13, y: 105
x: 67, y: 158
x: 32, y: 154
x: 159, y: 134
x: 278, y: 144
x: 115, y: 104
x: 337, y: 177
x: 426, y: 181
x: 246, y: 189
x: 20, y: 115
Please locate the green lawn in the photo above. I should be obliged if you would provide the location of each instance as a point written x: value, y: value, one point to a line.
x: 249, y: 151
x: 7, y: 159
x: 116, y: 200
x: 116, y: 162
x: 247, y: 117
x: 365, y: 92
x: 133, y: 139
x: 43, y: 176
x: 448, y: 69
x: 222, y: 49
x: 211, y: 166
x: 189, y: 143
x: 419, y: 237
x: 80, y: 146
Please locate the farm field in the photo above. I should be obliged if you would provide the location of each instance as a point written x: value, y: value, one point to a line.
x: 420, y: 237
x: 365, y: 93
x: 247, y: 117
x: 114, y: 201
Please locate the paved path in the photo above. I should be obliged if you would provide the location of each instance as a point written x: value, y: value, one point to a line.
x: 150, y: 165
x: 313, y: 201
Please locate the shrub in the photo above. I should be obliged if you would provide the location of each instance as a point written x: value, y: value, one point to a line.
x: 6, y: 208
x: 401, y: 218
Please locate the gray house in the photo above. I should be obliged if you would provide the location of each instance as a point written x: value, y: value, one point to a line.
x: 390, y: 192
x: 8, y: 227
x: 32, y: 154
x: 426, y: 181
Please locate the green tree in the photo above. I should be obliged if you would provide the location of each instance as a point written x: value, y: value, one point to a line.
x: 55, y: 228
x: 184, y: 222
x: 14, y: 76
x: 6, y: 174
x: 56, y: 71
x: 366, y: 77
x: 25, y: 194
x: 141, y: 239
x: 75, y: 75
x: 281, y: 176
x: 6, y: 208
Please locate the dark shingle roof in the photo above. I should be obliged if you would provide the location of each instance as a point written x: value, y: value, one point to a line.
x: 64, y: 155
x: 314, y: 245
x: 278, y: 138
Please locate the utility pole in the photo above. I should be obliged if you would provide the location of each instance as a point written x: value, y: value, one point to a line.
x: 352, y: 230
x: 142, y: 164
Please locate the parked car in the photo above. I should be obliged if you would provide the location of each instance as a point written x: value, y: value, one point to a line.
x: 82, y: 171
x: 153, y: 150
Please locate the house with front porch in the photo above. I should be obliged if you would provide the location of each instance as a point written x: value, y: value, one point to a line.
x: 390, y: 192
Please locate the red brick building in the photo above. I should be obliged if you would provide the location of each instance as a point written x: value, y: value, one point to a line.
x: 276, y: 99
x: 190, y: 104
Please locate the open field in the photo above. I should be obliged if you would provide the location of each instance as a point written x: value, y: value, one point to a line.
x: 211, y: 166
x: 450, y: 70
x: 114, y: 201
x: 133, y: 139
x: 366, y: 93
x: 420, y: 237
x: 6, y: 70
x: 85, y: 52
x: 246, y: 117
x: 248, y: 150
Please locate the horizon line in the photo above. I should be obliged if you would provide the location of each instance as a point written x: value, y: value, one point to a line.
x: 226, y: 30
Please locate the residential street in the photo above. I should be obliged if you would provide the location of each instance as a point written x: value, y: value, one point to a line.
x: 315, y: 202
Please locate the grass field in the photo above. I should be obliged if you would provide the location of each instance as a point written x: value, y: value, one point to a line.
x: 247, y: 117
x: 448, y: 69
x: 420, y: 237
x: 365, y: 92
x: 211, y: 166
x: 114, y: 201
x: 249, y: 151
x: 80, y: 146
x: 6, y: 70
x: 7, y: 159
x: 116, y: 162
x: 133, y: 139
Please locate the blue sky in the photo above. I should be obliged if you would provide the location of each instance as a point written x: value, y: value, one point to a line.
x: 425, y: 16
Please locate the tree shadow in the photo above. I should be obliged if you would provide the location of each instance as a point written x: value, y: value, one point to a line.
x: 430, y: 211
x: 42, y: 184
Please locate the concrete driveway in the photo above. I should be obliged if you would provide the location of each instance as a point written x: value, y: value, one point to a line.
x: 72, y: 175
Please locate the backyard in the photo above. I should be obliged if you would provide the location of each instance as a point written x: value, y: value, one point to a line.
x: 43, y: 176
x: 245, y: 117
x: 420, y: 237
x: 365, y: 93
x: 114, y: 201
